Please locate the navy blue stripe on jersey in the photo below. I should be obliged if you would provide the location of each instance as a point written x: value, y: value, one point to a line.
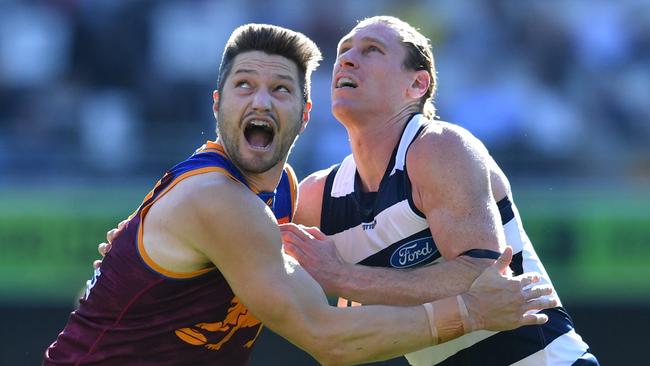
x: 282, y: 204
x: 587, y: 359
x: 505, y: 348
x: 341, y: 213
x: 517, y: 264
x: 505, y: 210
x: 482, y: 253
x: 329, y: 223
x: 390, y: 256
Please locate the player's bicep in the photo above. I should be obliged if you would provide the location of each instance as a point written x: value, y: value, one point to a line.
x: 456, y: 232
x: 455, y: 195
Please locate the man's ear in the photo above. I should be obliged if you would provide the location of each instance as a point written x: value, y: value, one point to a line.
x: 420, y: 84
x: 305, y: 115
x: 215, y: 105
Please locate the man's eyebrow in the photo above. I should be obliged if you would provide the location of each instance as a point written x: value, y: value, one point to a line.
x: 285, y: 77
x: 345, y: 40
x: 370, y: 39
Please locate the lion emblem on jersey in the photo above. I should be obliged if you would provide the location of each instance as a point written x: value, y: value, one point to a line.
x: 214, y: 335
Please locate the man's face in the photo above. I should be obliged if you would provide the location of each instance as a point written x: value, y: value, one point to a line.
x: 260, y: 110
x: 368, y: 76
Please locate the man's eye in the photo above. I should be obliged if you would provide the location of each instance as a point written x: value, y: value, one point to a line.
x: 283, y: 88
x: 243, y: 84
x: 373, y: 48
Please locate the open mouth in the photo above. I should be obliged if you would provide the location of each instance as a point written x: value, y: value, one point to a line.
x: 345, y: 82
x: 259, y: 133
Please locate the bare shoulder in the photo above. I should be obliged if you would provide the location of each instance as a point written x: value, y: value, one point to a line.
x: 202, y: 191
x: 314, y: 183
x: 310, y: 198
x: 444, y: 138
x: 448, y: 156
x: 443, y: 146
x: 207, y: 201
x: 190, y: 216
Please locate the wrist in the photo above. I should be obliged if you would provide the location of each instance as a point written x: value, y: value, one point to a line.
x: 445, y: 319
x: 339, y: 279
x: 472, y: 317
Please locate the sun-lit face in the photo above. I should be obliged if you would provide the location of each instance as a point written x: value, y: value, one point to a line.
x: 368, y: 77
x: 260, y: 111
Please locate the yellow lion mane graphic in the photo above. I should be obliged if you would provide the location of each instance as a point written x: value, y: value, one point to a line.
x: 214, y: 335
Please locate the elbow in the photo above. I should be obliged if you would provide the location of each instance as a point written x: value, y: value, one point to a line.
x: 330, y: 356
x: 328, y: 347
x: 311, y: 331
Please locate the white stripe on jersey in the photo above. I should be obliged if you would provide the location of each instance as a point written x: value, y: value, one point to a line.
x: 392, y: 224
x: 516, y: 237
x: 409, y: 134
x: 561, y: 352
x: 433, y: 355
x: 399, y: 221
x: 344, y: 180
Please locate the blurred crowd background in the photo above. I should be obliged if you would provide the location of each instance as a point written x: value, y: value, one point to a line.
x: 123, y: 87
x: 99, y: 97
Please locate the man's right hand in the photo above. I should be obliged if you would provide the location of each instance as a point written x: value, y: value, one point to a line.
x: 499, y: 302
x: 104, y: 248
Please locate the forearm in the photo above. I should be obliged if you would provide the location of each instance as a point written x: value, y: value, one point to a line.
x: 338, y: 336
x: 373, y: 333
x: 375, y: 285
x: 377, y: 332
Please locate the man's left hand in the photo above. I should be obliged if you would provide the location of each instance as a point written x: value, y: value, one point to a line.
x: 315, y: 252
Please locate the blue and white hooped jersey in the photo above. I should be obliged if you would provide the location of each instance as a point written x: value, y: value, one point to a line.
x: 386, y: 229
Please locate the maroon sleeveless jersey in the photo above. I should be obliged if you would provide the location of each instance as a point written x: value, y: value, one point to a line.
x: 137, y: 313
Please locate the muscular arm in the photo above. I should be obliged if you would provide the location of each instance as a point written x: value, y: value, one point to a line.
x: 208, y: 218
x: 449, y: 172
x: 375, y: 285
x: 451, y: 184
x: 237, y: 232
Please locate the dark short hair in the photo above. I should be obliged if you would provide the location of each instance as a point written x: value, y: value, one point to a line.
x: 272, y: 40
x: 419, y: 55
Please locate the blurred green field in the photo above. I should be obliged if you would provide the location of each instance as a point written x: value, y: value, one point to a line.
x: 594, y: 243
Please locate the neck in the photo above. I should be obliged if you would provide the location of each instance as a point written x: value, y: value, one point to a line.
x: 264, y: 182
x: 372, y: 143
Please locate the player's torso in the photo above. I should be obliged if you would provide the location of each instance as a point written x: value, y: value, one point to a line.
x: 132, y: 307
x: 386, y: 229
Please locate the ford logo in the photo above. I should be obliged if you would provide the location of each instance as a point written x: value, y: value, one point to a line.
x: 413, y: 252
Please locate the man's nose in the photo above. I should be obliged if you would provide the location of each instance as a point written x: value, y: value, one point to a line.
x: 261, y: 101
x: 348, y: 59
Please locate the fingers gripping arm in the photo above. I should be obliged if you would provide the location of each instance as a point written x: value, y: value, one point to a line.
x: 374, y: 285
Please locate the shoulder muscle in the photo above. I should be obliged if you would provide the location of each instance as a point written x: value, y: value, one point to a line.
x: 310, y: 198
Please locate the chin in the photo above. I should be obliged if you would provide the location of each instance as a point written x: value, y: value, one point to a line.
x: 259, y: 164
x: 342, y: 110
x: 255, y: 166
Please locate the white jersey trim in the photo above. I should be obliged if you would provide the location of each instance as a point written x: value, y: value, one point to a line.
x: 391, y: 225
x: 438, y: 353
x: 412, y: 129
x: 344, y: 179
x: 561, y: 352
